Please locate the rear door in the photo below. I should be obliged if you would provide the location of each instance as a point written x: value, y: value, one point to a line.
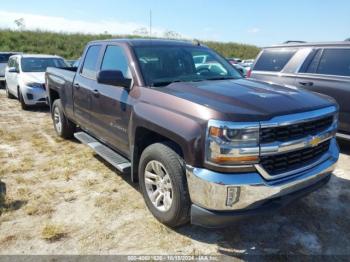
x: 111, y: 105
x: 327, y: 71
x: 84, y: 84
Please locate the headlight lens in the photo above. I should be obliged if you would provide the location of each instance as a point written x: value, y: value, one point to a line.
x: 232, y: 143
x: 34, y: 85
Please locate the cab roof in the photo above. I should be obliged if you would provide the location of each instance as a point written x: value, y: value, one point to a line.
x: 311, y: 44
x: 38, y: 56
x: 148, y: 42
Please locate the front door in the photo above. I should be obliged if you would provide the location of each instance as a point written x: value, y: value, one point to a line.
x: 111, y: 105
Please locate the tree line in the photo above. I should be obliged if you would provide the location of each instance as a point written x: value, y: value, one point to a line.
x: 70, y: 46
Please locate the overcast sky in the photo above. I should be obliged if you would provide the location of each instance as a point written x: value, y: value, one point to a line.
x: 254, y: 21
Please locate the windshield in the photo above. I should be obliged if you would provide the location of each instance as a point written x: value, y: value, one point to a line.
x: 4, y: 58
x: 162, y: 65
x: 40, y: 64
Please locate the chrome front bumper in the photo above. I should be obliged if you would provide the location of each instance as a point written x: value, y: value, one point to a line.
x: 244, y: 191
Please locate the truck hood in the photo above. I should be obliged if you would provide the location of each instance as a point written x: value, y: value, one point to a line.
x: 37, y: 77
x: 247, y: 100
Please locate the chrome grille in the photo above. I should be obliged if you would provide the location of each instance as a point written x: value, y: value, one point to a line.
x: 295, y: 131
x: 283, y: 163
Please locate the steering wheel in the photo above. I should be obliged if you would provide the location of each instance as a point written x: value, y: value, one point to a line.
x: 203, y: 70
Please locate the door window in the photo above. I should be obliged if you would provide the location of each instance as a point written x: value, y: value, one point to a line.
x: 115, y: 59
x: 335, y: 62
x: 16, y: 64
x: 11, y: 62
x: 311, y: 62
x: 89, y: 69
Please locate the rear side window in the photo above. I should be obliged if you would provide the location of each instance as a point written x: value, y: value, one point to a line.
x: 335, y: 62
x: 311, y: 63
x: 89, y: 69
x: 115, y: 59
x: 273, y: 60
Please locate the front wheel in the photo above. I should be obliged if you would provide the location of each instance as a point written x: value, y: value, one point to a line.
x: 63, y: 126
x: 163, y: 184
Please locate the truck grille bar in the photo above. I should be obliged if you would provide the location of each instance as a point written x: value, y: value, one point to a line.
x: 289, y: 144
x: 282, y: 163
x: 296, y: 131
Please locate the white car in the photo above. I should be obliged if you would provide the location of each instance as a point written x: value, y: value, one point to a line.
x: 4, y: 58
x: 25, y: 77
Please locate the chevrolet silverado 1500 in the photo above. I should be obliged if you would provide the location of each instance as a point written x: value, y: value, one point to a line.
x: 203, y: 143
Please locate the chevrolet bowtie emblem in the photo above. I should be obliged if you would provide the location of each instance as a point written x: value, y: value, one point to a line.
x: 315, y: 141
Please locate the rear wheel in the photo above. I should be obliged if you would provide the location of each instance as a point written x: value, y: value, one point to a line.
x: 8, y: 94
x: 163, y: 184
x: 63, y: 126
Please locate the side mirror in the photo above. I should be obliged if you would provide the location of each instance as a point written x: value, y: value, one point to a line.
x: 13, y: 70
x: 114, y: 78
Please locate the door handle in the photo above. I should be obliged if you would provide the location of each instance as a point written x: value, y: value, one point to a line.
x: 306, y: 83
x: 77, y: 86
x: 96, y: 93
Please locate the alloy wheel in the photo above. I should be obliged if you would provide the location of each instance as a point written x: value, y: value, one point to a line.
x: 158, y: 185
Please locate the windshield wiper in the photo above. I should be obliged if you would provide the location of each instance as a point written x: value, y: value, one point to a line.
x: 221, y: 78
x: 164, y: 83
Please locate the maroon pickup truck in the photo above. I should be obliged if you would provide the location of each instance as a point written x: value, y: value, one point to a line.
x: 204, y: 144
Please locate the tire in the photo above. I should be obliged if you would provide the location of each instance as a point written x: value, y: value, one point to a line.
x: 24, y: 106
x: 8, y: 94
x: 63, y: 126
x: 173, y: 168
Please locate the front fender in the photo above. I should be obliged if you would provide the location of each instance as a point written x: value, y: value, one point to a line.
x: 186, y: 131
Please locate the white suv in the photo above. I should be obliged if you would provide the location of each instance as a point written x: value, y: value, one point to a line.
x: 25, y: 77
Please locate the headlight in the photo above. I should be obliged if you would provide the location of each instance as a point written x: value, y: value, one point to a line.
x: 230, y: 144
x: 34, y: 85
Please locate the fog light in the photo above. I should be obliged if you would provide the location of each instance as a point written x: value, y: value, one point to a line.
x: 30, y: 96
x: 232, y: 195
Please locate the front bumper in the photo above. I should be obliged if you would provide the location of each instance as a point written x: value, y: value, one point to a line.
x: 219, y: 198
x: 34, y: 96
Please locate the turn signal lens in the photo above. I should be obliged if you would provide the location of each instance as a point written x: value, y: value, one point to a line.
x: 228, y: 159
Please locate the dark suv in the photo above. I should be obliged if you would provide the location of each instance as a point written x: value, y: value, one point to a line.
x: 318, y: 67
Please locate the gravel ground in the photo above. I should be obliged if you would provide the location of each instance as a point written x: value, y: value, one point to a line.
x: 63, y: 199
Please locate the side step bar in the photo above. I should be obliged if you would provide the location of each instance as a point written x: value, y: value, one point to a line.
x: 343, y: 136
x: 112, y: 157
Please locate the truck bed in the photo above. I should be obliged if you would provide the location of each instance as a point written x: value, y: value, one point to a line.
x: 60, y: 80
x: 67, y: 74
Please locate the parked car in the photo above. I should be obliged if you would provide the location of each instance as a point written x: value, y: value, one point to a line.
x: 205, y: 147
x: 25, y: 77
x: 4, y: 58
x: 318, y: 67
x: 248, y: 61
x: 247, y: 64
x: 71, y: 63
x: 241, y: 69
x: 234, y: 60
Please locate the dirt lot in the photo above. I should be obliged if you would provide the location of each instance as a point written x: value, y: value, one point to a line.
x: 62, y: 199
